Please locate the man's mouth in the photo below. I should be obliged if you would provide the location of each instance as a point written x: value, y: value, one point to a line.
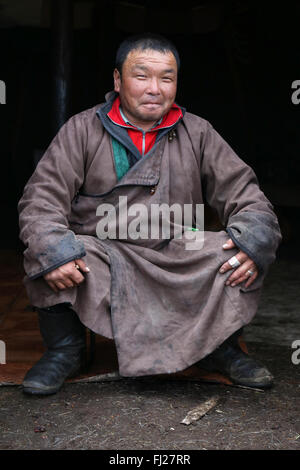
x: 151, y: 105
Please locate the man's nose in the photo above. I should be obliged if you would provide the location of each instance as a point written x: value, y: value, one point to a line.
x: 153, y: 86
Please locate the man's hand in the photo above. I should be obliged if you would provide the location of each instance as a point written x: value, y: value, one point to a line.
x: 67, y: 275
x: 241, y: 273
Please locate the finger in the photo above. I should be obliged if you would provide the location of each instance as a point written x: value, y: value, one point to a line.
x: 82, y: 265
x: 246, y: 277
x: 241, y: 270
x: 251, y: 279
x: 240, y: 256
x: 76, y: 276
x: 241, y: 274
x: 60, y: 285
x: 68, y: 282
x: 68, y: 275
x: 52, y: 286
x: 48, y: 277
x: 72, y: 278
x: 229, y: 244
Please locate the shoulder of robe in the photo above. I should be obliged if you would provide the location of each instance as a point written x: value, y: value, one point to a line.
x: 196, y: 123
x: 88, y: 117
x: 197, y: 129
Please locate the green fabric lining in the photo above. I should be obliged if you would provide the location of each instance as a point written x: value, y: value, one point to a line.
x: 120, y: 156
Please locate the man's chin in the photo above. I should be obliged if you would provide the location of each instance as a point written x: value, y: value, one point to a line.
x: 151, y: 116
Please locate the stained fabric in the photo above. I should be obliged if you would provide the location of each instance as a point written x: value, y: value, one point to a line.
x: 165, y: 305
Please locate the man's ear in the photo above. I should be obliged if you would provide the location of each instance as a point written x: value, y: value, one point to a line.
x: 117, y: 80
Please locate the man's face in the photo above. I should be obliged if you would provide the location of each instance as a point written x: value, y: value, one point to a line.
x: 148, y: 86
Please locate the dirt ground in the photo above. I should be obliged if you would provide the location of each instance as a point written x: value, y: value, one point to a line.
x: 146, y: 413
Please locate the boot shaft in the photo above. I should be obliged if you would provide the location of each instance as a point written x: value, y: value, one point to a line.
x: 60, y: 327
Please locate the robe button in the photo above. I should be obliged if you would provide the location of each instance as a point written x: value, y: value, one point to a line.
x: 171, y: 135
x: 152, y: 190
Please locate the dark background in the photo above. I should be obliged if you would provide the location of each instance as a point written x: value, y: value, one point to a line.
x: 239, y: 60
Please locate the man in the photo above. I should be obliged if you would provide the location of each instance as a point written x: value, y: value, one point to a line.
x: 166, y: 306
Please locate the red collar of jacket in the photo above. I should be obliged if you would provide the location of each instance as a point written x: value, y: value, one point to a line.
x: 144, y: 141
x: 168, y: 120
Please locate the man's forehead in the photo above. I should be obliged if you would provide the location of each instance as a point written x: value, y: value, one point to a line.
x: 139, y: 57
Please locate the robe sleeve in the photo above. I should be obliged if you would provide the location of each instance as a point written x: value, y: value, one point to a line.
x: 231, y: 188
x: 46, y: 202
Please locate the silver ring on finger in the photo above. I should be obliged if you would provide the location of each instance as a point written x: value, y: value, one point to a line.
x: 250, y: 272
x: 234, y: 262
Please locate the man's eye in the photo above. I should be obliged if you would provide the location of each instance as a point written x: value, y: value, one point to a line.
x: 167, y: 79
x: 141, y: 76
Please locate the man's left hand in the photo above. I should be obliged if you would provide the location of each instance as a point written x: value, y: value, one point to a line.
x: 243, y: 271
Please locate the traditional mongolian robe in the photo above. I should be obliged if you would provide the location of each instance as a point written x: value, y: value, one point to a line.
x: 165, y: 306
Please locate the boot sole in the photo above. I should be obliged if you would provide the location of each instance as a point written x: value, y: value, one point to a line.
x: 262, y: 385
x: 30, y: 389
x: 36, y: 391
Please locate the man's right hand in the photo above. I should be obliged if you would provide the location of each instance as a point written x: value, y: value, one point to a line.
x: 67, y: 275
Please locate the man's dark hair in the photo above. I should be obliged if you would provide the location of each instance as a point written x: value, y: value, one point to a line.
x: 144, y: 41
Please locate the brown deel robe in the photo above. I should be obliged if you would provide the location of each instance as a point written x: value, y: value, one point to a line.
x: 165, y: 306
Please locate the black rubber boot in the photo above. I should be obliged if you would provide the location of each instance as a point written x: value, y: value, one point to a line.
x: 239, y: 367
x: 64, y: 337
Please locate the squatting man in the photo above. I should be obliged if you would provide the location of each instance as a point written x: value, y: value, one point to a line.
x: 165, y: 306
